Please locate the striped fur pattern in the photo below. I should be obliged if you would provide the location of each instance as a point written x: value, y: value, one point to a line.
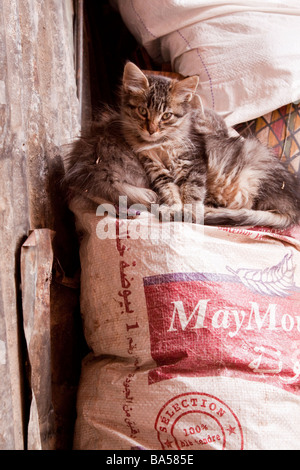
x: 101, y: 165
x: 190, y: 158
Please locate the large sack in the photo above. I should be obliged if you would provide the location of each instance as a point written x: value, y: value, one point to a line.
x: 194, y: 336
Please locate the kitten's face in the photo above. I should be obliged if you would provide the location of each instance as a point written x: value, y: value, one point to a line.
x: 154, y: 107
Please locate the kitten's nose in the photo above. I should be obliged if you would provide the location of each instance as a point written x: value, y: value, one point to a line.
x: 152, y: 128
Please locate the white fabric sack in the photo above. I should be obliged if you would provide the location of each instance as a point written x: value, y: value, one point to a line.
x: 246, y: 53
x: 194, y: 334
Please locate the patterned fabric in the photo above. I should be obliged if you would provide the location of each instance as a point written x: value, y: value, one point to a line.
x: 280, y: 130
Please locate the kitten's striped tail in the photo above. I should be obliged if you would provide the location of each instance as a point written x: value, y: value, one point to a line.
x: 242, y: 217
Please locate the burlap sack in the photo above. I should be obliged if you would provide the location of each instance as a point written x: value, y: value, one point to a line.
x: 194, y: 334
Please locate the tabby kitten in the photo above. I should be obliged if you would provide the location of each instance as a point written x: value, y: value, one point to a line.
x: 161, y: 146
x: 190, y: 158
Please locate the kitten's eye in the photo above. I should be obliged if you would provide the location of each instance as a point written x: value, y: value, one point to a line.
x: 166, y: 116
x: 142, y: 111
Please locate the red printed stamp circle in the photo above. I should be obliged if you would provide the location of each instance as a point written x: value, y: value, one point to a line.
x: 198, y: 421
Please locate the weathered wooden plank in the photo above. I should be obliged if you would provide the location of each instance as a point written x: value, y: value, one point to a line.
x: 39, y: 112
x: 36, y: 272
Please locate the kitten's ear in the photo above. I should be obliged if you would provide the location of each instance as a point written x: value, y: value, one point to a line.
x: 185, y: 89
x: 196, y: 103
x: 134, y: 81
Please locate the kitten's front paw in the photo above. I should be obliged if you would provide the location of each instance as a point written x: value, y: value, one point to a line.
x: 177, y: 213
x: 151, y: 196
x: 172, y: 213
x: 147, y: 197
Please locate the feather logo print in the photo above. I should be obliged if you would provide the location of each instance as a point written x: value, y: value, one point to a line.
x: 277, y: 280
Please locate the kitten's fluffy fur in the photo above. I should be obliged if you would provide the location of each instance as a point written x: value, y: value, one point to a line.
x: 101, y: 165
x: 162, y: 144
